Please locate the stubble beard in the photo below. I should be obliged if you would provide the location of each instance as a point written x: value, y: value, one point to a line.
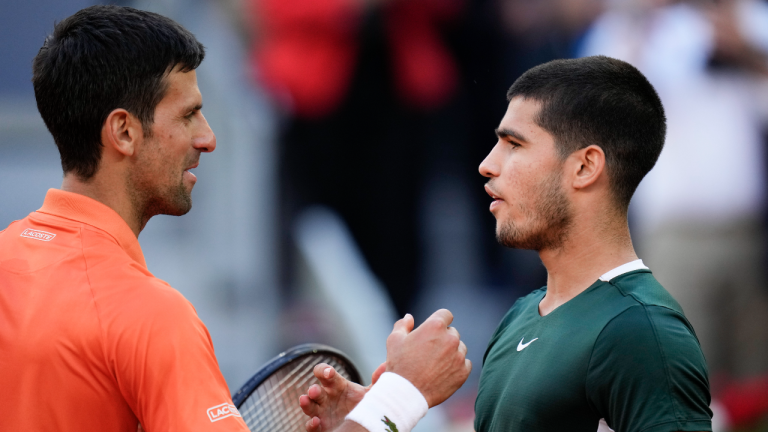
x: 174, y: 201
x: 550, y: 218
x: 149, y: 199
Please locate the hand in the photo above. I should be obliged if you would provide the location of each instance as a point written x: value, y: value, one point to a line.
x: 432, y: 357
x: 328, y: 403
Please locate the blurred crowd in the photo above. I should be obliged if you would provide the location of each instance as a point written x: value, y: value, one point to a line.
x: 365, y: 121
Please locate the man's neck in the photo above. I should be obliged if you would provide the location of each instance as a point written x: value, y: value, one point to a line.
x: 586, y: 254
x: 107, y: 193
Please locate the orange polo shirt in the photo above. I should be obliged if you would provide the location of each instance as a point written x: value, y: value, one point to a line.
x: 90, y: 340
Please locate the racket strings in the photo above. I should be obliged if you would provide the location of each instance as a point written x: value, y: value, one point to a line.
x: 280, y: 411
x: 270, y: 410
x: 281, y: 387
x: 274, y: 406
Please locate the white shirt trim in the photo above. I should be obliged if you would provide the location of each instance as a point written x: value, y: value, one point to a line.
x: 624, y: 268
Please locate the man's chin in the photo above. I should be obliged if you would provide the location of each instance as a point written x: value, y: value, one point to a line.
x: 181, y: 211
x: 183, y: 208
x: 177, y: 205
x: 506, y: 238
x: 512, y: 238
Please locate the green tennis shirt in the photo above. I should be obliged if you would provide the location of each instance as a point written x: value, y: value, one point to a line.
x: 622, y: 350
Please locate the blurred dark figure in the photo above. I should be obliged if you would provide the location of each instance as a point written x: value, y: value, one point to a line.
x: 364, y: 84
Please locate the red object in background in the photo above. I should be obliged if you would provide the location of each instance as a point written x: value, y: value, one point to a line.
x: 425, y: 73
x: 745, y: 401
x: 308, y: 49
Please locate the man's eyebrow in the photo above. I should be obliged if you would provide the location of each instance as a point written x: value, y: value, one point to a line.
x: 509, y: 133
x: 196, y: 107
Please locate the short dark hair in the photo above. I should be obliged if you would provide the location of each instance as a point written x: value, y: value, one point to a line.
x: 100, y: 59
x: 603, y: 101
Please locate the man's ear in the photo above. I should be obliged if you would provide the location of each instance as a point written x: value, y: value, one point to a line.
x: 588, y: 164
x: 122, y: 132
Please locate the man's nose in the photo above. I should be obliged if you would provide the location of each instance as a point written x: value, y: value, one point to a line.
x: 489, y: 167
x: 206, y: 141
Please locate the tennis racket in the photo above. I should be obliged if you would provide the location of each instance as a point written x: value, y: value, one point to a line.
x: 269, y: 401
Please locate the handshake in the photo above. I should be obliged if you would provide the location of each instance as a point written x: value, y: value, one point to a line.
x: 424, y: 367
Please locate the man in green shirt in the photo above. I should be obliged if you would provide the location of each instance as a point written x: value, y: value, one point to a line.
x: 620, y: 350
x: 603, y: 340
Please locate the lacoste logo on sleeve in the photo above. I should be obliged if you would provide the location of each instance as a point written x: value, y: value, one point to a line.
x: 521, y: 346
x: 38, y: 235
x: 220, y: 412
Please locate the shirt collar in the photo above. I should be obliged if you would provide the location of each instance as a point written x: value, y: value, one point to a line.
x: 624, y: 268
x: 87, y: 210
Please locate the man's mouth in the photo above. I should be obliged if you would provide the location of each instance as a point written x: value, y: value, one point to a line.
x: 188, y: 172
x: 497, y: 200
x: 491, y: 193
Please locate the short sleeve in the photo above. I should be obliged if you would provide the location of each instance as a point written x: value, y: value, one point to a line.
x: 647, y: 373
x: 164, y: 363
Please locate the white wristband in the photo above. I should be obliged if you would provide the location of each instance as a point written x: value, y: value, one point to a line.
x: 393, y: 404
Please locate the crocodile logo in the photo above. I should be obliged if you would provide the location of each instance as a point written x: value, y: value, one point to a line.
x: 391, y: 426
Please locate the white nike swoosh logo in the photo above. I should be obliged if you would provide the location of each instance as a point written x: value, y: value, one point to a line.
x: 521, y: 346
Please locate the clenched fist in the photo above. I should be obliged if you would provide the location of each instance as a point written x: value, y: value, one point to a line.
x: 432, y: 358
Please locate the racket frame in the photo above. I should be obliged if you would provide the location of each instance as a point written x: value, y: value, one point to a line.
x: 286, y: 357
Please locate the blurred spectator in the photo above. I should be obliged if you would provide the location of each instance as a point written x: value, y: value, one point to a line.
x: 744, y: 402
x: 309, y: 50
x: 699, y: 213
x: 362, y: 84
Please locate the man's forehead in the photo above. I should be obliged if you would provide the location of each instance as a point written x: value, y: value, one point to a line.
x: 182, y: 88
x: 519, y: 122
x: 522, y: 109
x: 520, y: 115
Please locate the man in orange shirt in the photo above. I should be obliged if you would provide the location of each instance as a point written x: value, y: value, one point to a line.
x: 90, y: 340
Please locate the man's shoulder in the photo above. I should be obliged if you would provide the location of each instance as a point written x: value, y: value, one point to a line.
x: 124, y: 290
x: 638, y: 304
x: 39, y: 244
x: 91, y: 261
x: 652, y: 322
x: 129, y: 292
x: 643, y: 288
x: 41, y: 240
x: 652, y: 349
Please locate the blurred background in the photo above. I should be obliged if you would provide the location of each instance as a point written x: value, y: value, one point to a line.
x: 344, y: 190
